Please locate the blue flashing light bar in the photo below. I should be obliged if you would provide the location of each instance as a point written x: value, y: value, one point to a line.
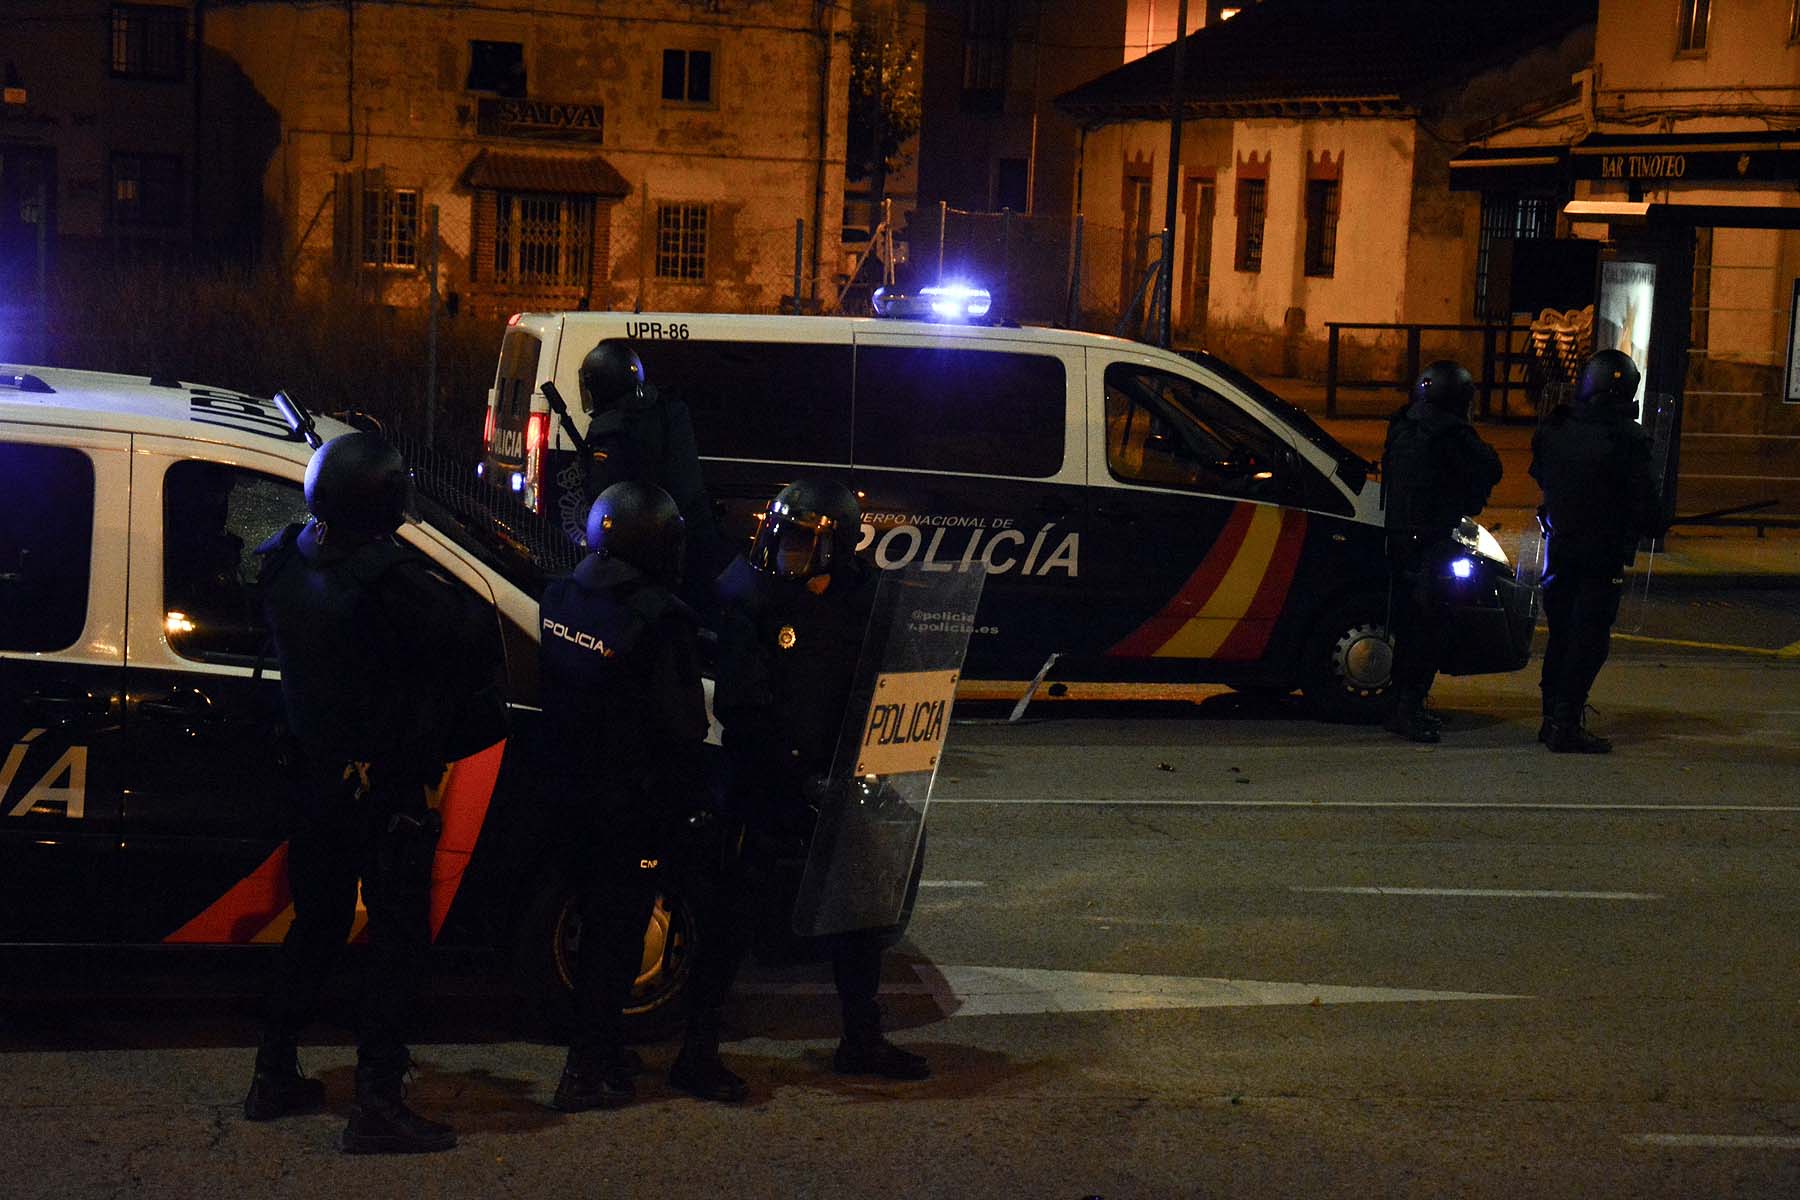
x: 943, y: 301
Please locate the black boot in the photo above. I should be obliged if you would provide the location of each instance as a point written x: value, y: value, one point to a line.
x: 699, y: 1071
x: 1410, y: 720
x: 864, y: 1051
x: 380, y: 1122
x: 595, y: 1080
x: 278, y: 1089
x: 1569, y: 735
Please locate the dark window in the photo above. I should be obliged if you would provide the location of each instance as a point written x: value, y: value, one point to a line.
x: 939, y: 408
x: 146, y: 189
x: 1011, y: 180
x: 687, y: 76
x: 497, y: 67
x: 1252, y: 210
x: 986, y: 35
x: 1170, y: 430
x: 214, y: 518
x: 390, y: 227
x: 1506, y: 216
x: 1321, y: 226
x: 148, y: 41
x: 1691, y: 22
x: 517, y: 377
x: 46, y: 537
x: 681, y: 241
x: 543, y: 239
x: 774, y: 401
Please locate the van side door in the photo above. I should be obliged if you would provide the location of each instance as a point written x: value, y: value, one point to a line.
x: 970, y: 453
x: 1191, y: 501
x: 63, y: 769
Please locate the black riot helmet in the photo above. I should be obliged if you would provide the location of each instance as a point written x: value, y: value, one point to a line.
x: 1609, y: 384
x: 810, y: 527
x: 1444, y: 384
x: 639, y: 523
x: 610, y: 372
x: 357, y: 483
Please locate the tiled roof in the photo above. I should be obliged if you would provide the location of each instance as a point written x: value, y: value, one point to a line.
x: 578, y: 174
x: 1370, y: 52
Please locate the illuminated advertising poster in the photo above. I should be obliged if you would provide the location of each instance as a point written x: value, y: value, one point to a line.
x: 1622, y: 318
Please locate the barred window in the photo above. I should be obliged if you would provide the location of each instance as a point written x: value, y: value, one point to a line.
x: 1504, y: 216
x: 148, y: 41
x: 1252, y: 211
x: 543, y: 239
x: 1691, y: 22
x: 146, y: 189
x: 1321, y: 226
x: 390, y: 227
x: 681, y: 241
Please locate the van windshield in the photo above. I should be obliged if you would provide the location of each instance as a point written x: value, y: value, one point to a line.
x: 1352, y: 468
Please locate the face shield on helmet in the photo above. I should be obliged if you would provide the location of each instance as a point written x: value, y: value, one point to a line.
x: 806, y: 531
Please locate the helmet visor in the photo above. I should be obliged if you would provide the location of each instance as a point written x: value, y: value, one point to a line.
x: 792, y: 546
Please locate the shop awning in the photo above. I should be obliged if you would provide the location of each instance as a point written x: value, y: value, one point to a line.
x: 1510, y: 168
x: 1762, y: 156
x: 570, y: 174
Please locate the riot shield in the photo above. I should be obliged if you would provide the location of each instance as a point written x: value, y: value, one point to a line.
x: 872, y: 805
x: 1528, y: 561
x: 1659, y: 423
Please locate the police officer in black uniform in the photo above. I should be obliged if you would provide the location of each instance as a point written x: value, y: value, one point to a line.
x: 380, y: 657
x: 795, y: 612
x: 626, y: 717
x: 1435, y: 470
x: 1592, y: 459
x: 636, y: 433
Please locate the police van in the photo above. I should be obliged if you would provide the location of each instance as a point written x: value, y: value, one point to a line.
x: 1141, y: 514
x: 140, y: 796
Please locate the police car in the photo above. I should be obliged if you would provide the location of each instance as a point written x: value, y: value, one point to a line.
x: 1140, y: 514
x: 139, y: 788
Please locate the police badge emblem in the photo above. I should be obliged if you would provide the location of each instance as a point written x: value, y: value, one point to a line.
x: 785, y: 637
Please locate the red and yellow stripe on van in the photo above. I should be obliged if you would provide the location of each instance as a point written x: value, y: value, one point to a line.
x: 259, y: 907
x: 1228, y: 606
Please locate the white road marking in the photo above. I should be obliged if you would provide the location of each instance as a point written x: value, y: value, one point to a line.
x: 1522, y: 893
x: 968, y: 991
x: 1524, y: 806
x: 1714, y: 1141
x: 952, y: 883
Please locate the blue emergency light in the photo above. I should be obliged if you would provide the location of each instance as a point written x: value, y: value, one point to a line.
x: 1462, y: 568
x: 942, y: 301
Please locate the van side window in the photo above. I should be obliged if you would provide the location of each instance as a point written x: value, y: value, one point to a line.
x: 214, y: 518
x: 46, y: 536
x: 1163, y: 428
x: 518, y: 375
x: 777, y: 401
x: 939, y: 408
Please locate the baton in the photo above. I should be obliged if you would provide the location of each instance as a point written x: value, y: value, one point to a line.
x: 561, y: 410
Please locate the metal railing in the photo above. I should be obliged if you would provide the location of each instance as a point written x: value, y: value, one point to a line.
x: 1499, y: 355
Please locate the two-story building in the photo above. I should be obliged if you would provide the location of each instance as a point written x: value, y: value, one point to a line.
x: 1313, y: 168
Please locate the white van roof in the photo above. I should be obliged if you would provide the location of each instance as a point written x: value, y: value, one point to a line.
x: 765, y: 327
x: 141, y: 404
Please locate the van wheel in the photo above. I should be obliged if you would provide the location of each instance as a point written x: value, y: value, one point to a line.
x: 549, y: 946
x: 1349, y: 663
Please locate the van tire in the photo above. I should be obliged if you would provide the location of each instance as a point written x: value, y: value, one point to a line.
x: 548, y: 943
x: 1347, y: 670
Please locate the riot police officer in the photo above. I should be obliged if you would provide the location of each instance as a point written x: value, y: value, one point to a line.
x: 1435, y: 470
x: 1592, y: 459
x: 379, y: 656
x: 795, y: 612
x: 626, y: 718
x: 637, y: 433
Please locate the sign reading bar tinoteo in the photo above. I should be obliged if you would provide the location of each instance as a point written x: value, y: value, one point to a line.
x: 539, y: 120
x: 904, y: 728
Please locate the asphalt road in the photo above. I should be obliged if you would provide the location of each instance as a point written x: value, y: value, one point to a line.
x: 1163, y: 950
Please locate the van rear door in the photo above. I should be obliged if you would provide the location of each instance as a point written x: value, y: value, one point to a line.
x: 509, y: 406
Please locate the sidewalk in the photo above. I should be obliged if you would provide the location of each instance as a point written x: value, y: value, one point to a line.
x: 1719, y: 555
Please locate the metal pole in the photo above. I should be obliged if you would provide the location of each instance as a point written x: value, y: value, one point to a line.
x: 43, y: 291
x: 943, y: 216
x: 431, y: 329
x: 1331, y: 368
x: 1075, y: 275
x: 1165, y: 285
x: 799, y: 258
